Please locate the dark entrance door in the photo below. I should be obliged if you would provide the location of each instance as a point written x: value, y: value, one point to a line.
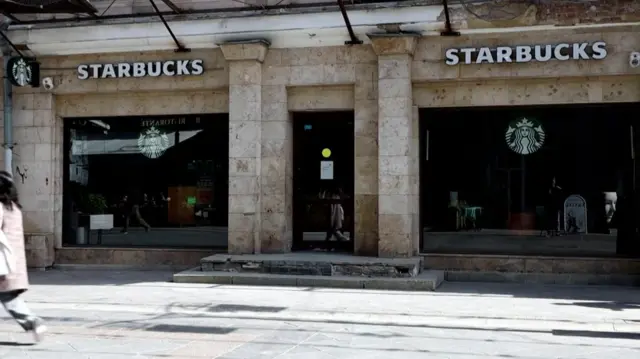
x: 628, y: 205
x: 323, y: 181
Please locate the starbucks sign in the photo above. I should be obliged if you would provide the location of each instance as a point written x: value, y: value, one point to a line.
x: 525, y: 136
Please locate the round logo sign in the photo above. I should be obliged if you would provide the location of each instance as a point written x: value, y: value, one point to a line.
x: 19, y: 71
x: 152, y: 143
x: 525, y: 136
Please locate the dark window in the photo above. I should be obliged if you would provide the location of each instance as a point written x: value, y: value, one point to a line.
x: 552, y: 180
x: 164, y: 179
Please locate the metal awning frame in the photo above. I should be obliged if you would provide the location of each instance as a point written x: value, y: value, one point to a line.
x: 181, y: 47
x: 354, y: 39
x: 74, y: 7
x: 448, y: 28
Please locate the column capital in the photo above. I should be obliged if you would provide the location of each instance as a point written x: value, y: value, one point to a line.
x: 402, y: 43
x: 254, y: 50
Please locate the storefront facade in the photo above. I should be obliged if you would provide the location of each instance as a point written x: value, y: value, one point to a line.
x: 397, y: 87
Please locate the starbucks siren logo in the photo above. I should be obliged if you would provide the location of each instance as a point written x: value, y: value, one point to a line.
x: 152, y: 143
x: 21, y: 72
x: 525, y: 136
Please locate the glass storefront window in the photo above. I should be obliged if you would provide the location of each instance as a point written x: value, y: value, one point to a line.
x: 546, y: 180
x: 161, y: 181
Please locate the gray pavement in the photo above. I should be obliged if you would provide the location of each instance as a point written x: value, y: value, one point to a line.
x: 112, y: 315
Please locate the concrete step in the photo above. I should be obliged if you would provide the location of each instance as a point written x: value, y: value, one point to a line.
x: 425, y: 281
x: 314, y: 264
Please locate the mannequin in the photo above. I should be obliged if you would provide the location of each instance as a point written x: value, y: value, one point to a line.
x: 610, y: 203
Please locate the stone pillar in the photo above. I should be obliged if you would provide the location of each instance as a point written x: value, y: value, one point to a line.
x: 398, y: 201
x: 245, y: 132
x: 277, y: 169
x: 35, y: 161
x: 366, y: 160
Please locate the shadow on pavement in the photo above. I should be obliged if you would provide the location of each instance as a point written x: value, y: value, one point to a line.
x: 245, y: 308
x: 194, y: 329
x: 615, y: 306
x: 533, y: 290
x: 15, y: 344
x: 99, y: 277
x: 592, y: 334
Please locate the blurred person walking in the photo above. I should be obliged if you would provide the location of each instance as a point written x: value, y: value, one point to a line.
x: 14, y: 280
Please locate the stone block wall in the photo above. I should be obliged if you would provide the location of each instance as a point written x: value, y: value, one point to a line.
x: 398, y: 154
x: 383, y: 83
x: 307, y: 79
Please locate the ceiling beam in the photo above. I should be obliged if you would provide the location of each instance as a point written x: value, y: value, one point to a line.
x: 11, y: 16
x: 172, y: 6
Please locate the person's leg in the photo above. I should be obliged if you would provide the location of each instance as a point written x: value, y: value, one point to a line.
x: 127, y: 218
x: 136, y: 211
x: 22, y: 314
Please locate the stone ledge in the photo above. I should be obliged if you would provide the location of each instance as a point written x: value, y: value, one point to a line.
x: 532, y: 264
x: 543, y: 278
x: 255, y: 50
x: 426, y: 281
x: 135, y: 257
x: 311, y: 264
x: 402, y: 43
x: 39, y: 250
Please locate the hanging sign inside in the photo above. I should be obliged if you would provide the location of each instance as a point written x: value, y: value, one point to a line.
x: 141, y: 69
x: 526, y: 53
x: 524, y: 136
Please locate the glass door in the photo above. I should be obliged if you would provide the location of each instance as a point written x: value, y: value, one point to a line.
x: 627, y: 206
x: 323, y: 181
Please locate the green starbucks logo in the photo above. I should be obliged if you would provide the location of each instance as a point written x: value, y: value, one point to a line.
x: 525, y: 136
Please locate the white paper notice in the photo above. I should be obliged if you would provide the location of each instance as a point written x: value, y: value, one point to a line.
x: 101, y: 221
x: 326, y: 170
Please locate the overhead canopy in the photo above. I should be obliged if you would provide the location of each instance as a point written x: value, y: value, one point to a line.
x: 15, y: 7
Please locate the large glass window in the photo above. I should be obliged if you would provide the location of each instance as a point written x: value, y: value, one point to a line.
x: 158, y: 181
x: 545, y: 180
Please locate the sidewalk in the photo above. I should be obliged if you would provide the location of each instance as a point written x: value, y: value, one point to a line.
x: 113, y: 315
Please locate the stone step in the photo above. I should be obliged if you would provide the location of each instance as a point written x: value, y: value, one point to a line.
x: 425, y: 281
x: 314, y: 264
x: 543, y: 278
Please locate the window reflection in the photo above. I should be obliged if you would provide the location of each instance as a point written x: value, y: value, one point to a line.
x: 541, y: 180
x: 162, y: 181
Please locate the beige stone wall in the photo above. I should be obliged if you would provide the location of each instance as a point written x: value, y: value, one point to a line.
x: 317, y: 79
x: 38, y: 114
x: 556, y: 82
x: 429, y: 65
x: 260, y: 88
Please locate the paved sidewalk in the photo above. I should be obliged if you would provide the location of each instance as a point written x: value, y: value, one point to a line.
x: 113, y: 315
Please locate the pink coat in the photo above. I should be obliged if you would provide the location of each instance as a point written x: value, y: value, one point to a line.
x: 12, y: 228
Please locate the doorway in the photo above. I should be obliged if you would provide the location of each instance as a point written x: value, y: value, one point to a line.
x: 323, y: 181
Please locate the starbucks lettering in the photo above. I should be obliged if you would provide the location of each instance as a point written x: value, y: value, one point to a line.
x: 141, y: 69
x: 525, y: 53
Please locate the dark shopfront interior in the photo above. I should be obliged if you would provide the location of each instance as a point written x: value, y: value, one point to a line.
x: 493, y: 184
x: 173, y: 169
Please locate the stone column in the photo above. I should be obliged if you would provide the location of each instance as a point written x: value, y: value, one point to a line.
x: 35, y: 171
x: 398, y: 150
x: 245, y: 132
x: 366, y: 160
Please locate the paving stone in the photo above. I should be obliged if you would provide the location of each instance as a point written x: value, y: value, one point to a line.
x: 107, y: 315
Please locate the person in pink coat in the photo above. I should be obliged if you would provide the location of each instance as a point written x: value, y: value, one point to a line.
x: 14, y: 280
